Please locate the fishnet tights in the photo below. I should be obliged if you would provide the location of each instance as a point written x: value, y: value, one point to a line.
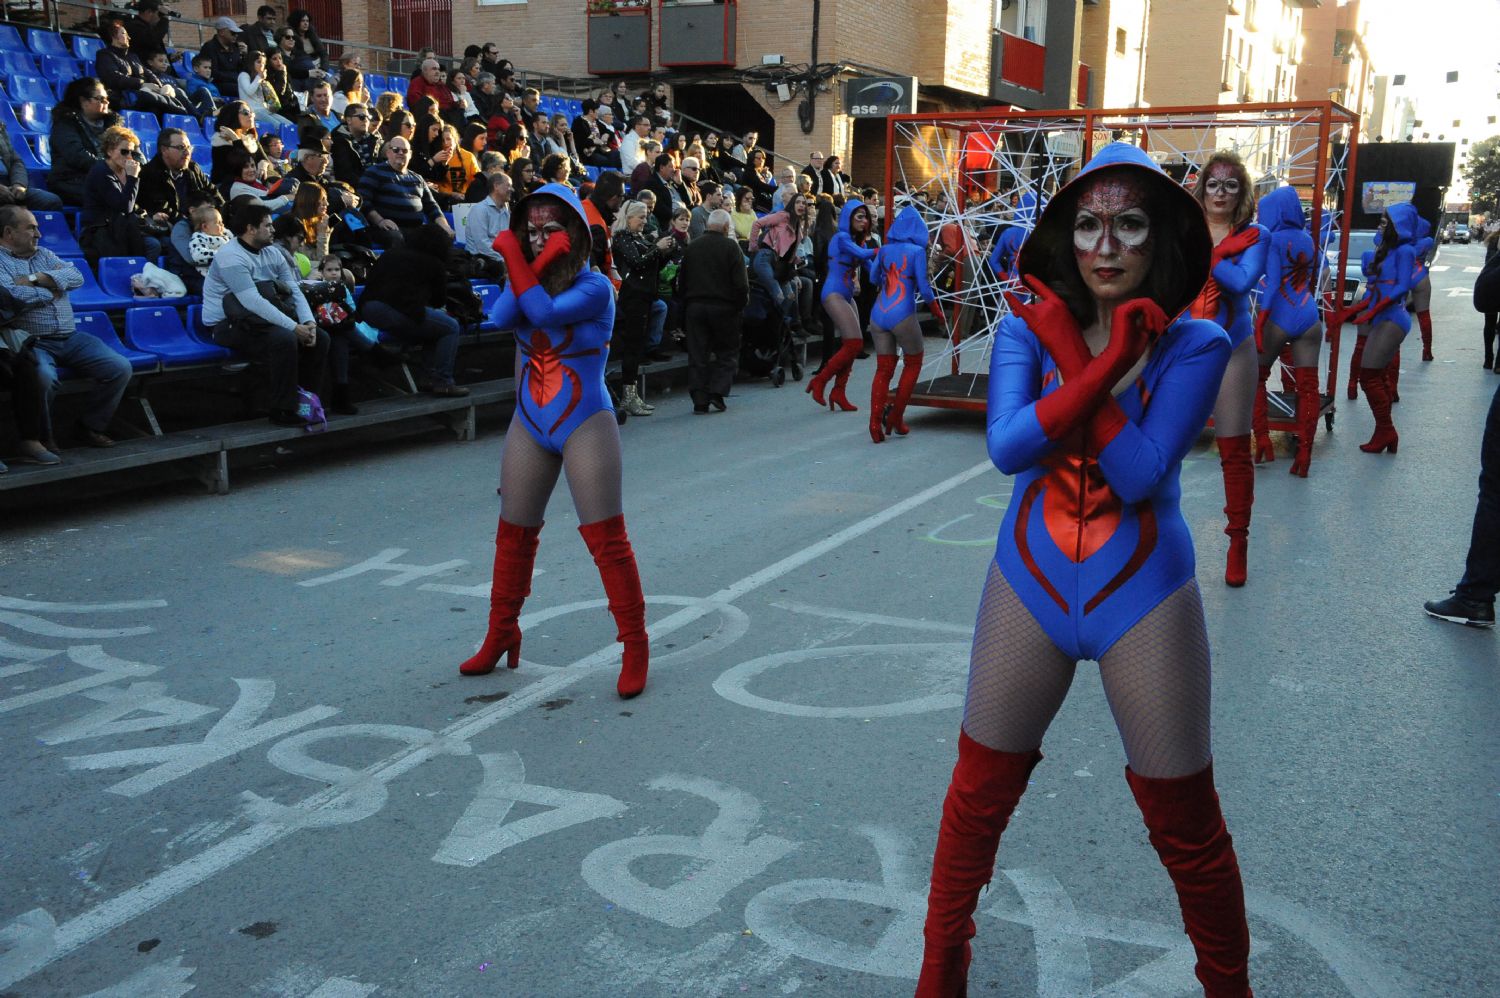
x: 1232, y: 410
x: 844, y: 315
x: 907, y: 335
x: 591, y: 456
x: 1156, y: 678
x: 1381, y: 344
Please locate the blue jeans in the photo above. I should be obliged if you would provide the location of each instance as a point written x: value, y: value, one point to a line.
x: 656, y: 324
x: 33, y: 199
x: 87, y: 357
x: 438, y: 332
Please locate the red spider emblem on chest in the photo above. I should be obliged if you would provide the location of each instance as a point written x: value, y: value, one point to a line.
x: 546, y: 373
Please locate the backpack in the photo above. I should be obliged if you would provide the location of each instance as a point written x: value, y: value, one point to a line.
x: 310, y: 408
x: 463, y: 304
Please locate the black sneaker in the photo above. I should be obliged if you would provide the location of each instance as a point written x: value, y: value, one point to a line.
x: 1471, y: 613
x: 717, y: 401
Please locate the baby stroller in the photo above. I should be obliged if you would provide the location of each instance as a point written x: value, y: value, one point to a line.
x: 766, y: 347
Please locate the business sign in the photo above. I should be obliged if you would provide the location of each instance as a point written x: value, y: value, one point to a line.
x: 879, y: 96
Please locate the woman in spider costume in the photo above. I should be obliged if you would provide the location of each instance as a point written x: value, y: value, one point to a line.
x: 1289, y: 314
x: 562, y: 314
x: 1093, y: 402
x: 1236, y: 266
x: 1421, y: 287
x: 847, y: 253
x: 1389, y: 271
x: 901, y: 268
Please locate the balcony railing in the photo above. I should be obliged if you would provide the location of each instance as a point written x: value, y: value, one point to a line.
x: 1019, y: 62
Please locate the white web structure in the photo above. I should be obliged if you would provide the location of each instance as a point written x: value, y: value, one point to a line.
x: 972, y: 175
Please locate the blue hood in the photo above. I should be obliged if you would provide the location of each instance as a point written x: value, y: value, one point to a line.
x: 1178, y: 216
x: 1026, y: 209
x: 908, y: 228
x: 1281, y: 210
x: 566, y: 195
x: 1405, y: 218
x: 846, y: 215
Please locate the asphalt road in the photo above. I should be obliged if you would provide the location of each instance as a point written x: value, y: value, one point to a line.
x: 239, y: 759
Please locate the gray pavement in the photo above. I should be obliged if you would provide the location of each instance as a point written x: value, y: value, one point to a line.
x: 240, y: 760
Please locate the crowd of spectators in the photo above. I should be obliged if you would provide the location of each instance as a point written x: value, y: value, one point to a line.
x: 689, y: 226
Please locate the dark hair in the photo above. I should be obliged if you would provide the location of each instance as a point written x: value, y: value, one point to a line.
x: 661, y: 160
x: 430, y: 240
x: 288, y: 226
x: 263, y: 10
x: 551, y: 165
x: 249, y: 60
x: 234, y: 159
x: 520, y: 165
x: 560, y: 276
x: 472, y: 51
x: 391, y: 127
x: 167, y: 135
x: 249, y: 216
x: 471, y: 131
x: 1244, y: 209
x: 708, y: 188
x: 312, y: 136
x: 610, y: 185
x: 347, y: 79
x: 741, y: 194
x: 229, y: 115
x: 201, y: 58
x: 73, y: 95
x: 589, y: 104
x: 1388, y: 242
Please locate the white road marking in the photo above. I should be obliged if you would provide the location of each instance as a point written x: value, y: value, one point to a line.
x: 159, y: 980
x: 875, y: 619
x: 1472, y: 270
x: 32, y: 606
x: 339, y: 987
x: 926, y: 659
x: 38, y: 941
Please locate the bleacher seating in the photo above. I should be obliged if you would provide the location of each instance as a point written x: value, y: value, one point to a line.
x: 56, y: 236
x: 44, y: 42
x: 159, y: 330
x: 377, y: 83
x: 146, y: 128
x: 85, y: 47
x: 488, y: 294
x: 36, y: 118
x: 17, y: 63
x: 10, y: 40
x: 92, y: 296
x: 12, y: 122
x: 115, y: 273
x: 30, y: 88
x: 35, y: 153
x: 186, y: 122
x: 97, y: 324
x: 61, y: 70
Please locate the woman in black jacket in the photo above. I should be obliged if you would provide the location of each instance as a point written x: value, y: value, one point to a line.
x: 403, y: 298
x: 309, y: 58
x: 78, y: 124
x: 639, y: 261
x: 130, y: 83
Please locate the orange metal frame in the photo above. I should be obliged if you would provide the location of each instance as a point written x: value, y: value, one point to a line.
x: 1329, y: 113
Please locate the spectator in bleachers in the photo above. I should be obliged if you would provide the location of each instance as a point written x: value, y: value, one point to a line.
x: 228, y: 55
x: 328, y: 293
x: 276, y: 165
x: 505, y: 129
x: 489, y: 218
x: 641, y: 175
x: 475, y: 138
x: 431, y: 82
x: 713, y: 200
x: 562, y: 132
x: 129, y: 82
x: 403, y: 298
x: 166, y: 71
x: 706, y: 168
x: 606, y: 99
x: 774, y: 260
x: 425, y: 145
x: 741, y: 152
x: 664, y: 184
x: 486, y: 95
x: 397, y: 200
x: 556, y: 170
x: 718, y: 157
x: 489, y: 59
x: 40, y: 281
x: 355, y: 147
x: 286, y: 50
x: 312, y: 167
x: 257, y: 94
x: 244, y: 181
x: 350, y: 89
x: 171, y: 185
x: 15, y: 182
x: 320, y: 106
x: 657, y: 100
x: 208, y: 236
x: 531, y: 108
x: 20, y: 374
x: 310, y: 208
x: 149, y: 30
x: 599, y: 210
x: 453, y: 168
x: 309, y: 58
x: 202, y: 93
x: 234, y: 128
x: 630, y: 145
x: 280, y: 82
x: 814, y: 171
x: 543, y: 142
x: 111, y: 223
x: 607, y: 127
x: 647, y: 197
x: 835, y: 181
x: 422, y: 56
x: 590, y: 141
x: 757, y: 176
x: 743, y: 215
x: 350, y: 60
x: 786, y: 186
x: 464, y: 109
x: 523, y: 176
x: 399, y: 122
x: 260, y: 34
x: 687, y: 182
x: 714, y: 288
x: 387, y: 104
x: 78, y: 123
x: 490, y: 163
x: 252, y: 303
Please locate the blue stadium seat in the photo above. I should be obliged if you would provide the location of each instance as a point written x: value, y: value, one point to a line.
x: 17, y: 63
x: 31, y: 88
x: 288, y: 141
x: 56, y: 236
x: 376, y: 83
x: 186, y: 122
x: 159, y: 330
x: 44, y: 42
x: 35, y: 153
x: 115, y: 273
x: 146, y: 128
x: 36, y: 118
x: 10, y: 39
x: 92, y: 296
x: 97, y: 325
x: 399, y: 83
x: 10, y: 119
x: 85, y: 47
x: 61, y: 69
x: 198, y: 332
x: 488, y: 295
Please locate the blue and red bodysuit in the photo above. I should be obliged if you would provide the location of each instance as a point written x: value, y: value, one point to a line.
x: 1421, y: 250
x: 562, y: 343
x: 1225, y: 297
x: 1389, y: 285
x: 1005, y: 257
x: 1093, y: 538
x: 844, y: 254
x: 1289, y: 299
x: 901, y: 268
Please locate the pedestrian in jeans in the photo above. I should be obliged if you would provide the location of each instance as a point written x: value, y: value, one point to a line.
x: 1473, y: 600
x: 252, y: 303
x: 404, y: 296
x: 714, y: 285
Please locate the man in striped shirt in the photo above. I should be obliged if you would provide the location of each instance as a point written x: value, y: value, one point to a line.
x: 396, y: 198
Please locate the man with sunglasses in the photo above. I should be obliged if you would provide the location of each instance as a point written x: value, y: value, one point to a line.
x: 490, y: 61
x: 171, y: 186
x: 356, y: 145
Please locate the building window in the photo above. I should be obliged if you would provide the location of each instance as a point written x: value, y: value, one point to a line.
x: 1453, y: 77
x: 1026, y: 18
x: 1120, y: 40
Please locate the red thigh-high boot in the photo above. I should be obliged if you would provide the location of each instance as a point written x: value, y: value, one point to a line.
x: 1187, y: 830
x: 1309, y: 401
x: 880, y: 389
x: 1376, y: 383
x: 1355, y: 367
x: 1424, y: 320
x: 1393, y: 376
x: 1288, y: 379
x: 1265, y: 451
x: 837, y: 367
x: 985, y: 788
x: 1239, y: 497
x: 846, y: 355
x: 610, y: 546
x: 911, y: 369
x: 515, y: 553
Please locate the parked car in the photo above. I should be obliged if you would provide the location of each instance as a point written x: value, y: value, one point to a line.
x: 1360, y: 241
x: 1461, y: 233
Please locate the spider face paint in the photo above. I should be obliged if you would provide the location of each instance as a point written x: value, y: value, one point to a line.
x: 542, y: 220
x: 1221, y: 192
x: 1112, y: 236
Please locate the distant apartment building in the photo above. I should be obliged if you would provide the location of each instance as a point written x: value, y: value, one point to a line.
x: 1338, y: 65
x: 1206, y: 52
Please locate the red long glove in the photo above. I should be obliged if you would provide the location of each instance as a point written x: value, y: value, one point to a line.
x: 1361, y: 315
x: 1234, y: 245
x: 522, y: 273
